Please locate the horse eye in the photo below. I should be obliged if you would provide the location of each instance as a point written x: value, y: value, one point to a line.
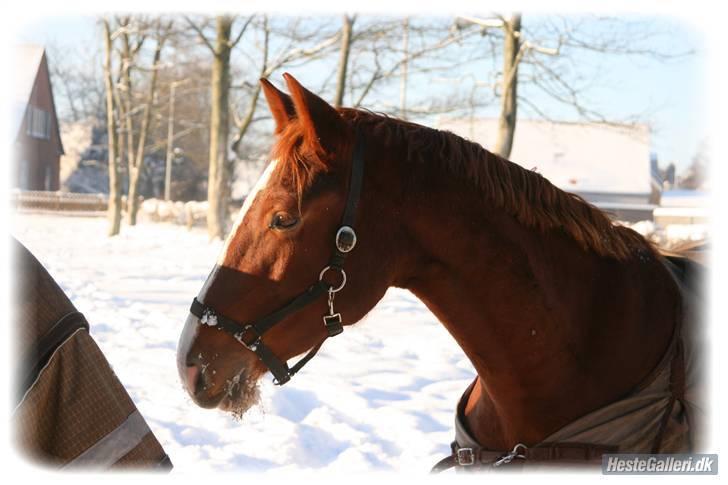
x: 282, y: 220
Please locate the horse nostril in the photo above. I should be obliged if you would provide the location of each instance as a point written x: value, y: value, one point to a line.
x: 192, y: 375
x: 200, y: 388
x: 196, y: 381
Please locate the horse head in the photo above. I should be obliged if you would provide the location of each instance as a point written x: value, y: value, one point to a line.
x: 280, y: 249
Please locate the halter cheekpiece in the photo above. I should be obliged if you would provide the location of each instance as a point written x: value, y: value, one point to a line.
x: 250, y: 335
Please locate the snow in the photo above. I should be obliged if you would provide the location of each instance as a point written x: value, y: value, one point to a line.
x: 686, y: 232
x: 379, y: 397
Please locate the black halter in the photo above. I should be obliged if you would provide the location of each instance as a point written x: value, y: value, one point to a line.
x: 251, y: 335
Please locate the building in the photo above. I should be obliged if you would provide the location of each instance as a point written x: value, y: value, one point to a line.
x: 683, y: 206
x: 609, y: 165
x: 37, y: 148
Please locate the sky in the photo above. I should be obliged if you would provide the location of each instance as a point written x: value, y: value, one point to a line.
x: 668, y: 95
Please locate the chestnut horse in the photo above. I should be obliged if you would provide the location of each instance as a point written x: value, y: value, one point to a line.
x: 560, y: 312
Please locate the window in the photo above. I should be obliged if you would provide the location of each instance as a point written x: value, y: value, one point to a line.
x: 38, y: 123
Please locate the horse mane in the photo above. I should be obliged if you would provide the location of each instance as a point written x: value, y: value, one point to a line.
x: 524, y: 194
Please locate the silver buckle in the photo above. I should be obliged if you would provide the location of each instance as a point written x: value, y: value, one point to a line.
x: 513, y: 454
x: 333, y: 324
x: 465, y: 457
x: 208, y: 317
x: 345, y: 239
x: 254, y: 345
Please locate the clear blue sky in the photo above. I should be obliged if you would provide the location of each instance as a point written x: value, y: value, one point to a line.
x: 671, y: 92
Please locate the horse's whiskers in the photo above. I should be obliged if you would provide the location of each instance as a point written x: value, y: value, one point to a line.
x: 231, y: 384
x: 242, y: 392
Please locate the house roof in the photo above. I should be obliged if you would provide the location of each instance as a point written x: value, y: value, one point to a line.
x: 26, y: 64
x: 577, y: 157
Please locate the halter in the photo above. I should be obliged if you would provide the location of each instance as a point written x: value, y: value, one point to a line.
x: 250, y: 335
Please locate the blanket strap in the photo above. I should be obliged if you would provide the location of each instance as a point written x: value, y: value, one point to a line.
x: 477, y: 458
x: 677, y: 392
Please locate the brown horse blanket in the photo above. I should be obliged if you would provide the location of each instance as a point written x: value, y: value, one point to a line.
x: 661, y: 415
x: 70, y: 408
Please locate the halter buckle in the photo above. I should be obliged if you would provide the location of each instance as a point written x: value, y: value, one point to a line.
x: 345, y: 239
x: 208, y: 317
x: 253, y: 346
x: 333, y: 324
x: 465, y: 456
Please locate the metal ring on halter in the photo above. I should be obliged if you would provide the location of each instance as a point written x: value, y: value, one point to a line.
x: 343, y: 278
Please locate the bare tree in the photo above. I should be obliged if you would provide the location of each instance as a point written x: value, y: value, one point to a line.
x: 315, y: 46
x: 509, y: 92
x: 347, y: 25
x: 124, y: 88
x: 497, y: 62
x: 114, y: 210
x: 405, y: 65
x: 244, y: 123
x: 79, y: 86
x: 542, y: 58
x: 136, y: 157
x: 695, y: 176
x: 379, y: 62
x: 218, y: 182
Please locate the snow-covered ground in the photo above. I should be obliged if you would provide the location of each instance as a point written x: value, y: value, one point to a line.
x: 381, y: 396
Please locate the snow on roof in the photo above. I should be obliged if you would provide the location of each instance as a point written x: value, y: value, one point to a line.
x: 684, y: 198
x: 26, y: 63
x: 578, y: 157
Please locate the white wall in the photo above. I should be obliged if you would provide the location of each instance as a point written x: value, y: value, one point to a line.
x: 576, y: 157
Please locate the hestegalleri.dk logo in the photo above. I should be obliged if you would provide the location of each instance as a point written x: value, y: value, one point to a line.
x: 660, y: 464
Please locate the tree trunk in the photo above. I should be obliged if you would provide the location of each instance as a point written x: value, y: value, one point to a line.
x: 218, y: 180
x: 125, y: 106
x: 509, y: 99
x: 114, y: 210
x: 170, y: 140
x: 343, y: 60
x: 403, y: 81
x: 135, y: 169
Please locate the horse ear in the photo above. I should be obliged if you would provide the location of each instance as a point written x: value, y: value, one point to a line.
x: 323, y: 125
x: 280, y: 104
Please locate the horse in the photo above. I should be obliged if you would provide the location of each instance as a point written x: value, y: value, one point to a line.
x: 564, y: 315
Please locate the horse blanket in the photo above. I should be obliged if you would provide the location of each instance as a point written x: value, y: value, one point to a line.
x: 663, y: 414
x: 71, y: 410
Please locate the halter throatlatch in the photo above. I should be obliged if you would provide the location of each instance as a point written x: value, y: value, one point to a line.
x: 251, y: 335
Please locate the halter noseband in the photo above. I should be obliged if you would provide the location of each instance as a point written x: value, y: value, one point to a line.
x: 251, y: 335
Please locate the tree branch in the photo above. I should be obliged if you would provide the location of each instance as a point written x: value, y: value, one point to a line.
x: 244, y: 124
x: 242, y: 31
x: 303, y: 52
x: 201, y: 35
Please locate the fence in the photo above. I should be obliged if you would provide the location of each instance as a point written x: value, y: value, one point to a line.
x: 58, y: 201
x: 189, y: 213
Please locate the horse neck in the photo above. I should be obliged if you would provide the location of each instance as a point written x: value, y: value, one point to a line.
x: 541, y: 319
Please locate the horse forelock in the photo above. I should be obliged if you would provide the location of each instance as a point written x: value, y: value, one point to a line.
x: 300, y: 160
